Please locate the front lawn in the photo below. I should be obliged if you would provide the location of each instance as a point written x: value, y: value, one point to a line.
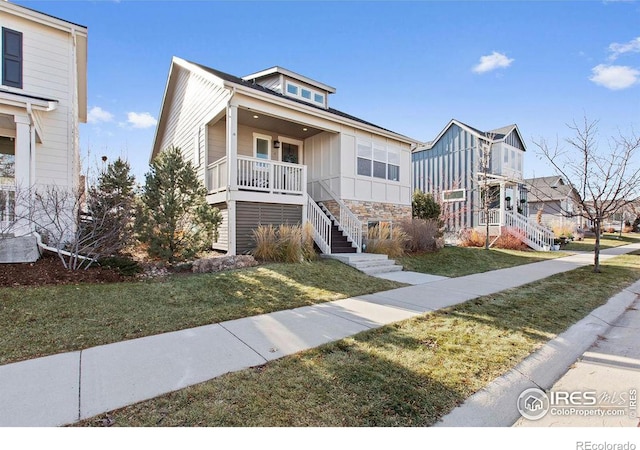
x: 406, y: 374
x: 606, y: 241
x: 38, y: 321
x: 460, y: 261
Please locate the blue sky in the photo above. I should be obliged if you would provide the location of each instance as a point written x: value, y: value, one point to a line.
x: 406, y: 66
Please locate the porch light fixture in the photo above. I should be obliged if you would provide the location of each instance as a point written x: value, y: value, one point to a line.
x: 255, y: 116
x: 304, y: 129
x: 276, y: 144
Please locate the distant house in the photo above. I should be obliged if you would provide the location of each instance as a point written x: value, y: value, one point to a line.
x: 271, y: 150
x: 43, y: 98
x: 453, y: 166
x: 554, y: 201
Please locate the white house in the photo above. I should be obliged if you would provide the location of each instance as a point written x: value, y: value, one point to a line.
x: 43, y: 97
x: 457, y: 165
x: 554, y: 202
x: 270, y: 149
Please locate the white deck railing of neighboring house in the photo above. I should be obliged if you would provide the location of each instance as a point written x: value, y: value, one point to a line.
x: 321, y: 226
x: 259, y: 175
x: 347, y: 222
x: 534, y: 235
x: 494, y: 217
x: 7, y: 206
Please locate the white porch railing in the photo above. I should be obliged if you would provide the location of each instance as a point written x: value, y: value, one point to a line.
x: 534, y: 235
x: 321, y: 226
x: 216, y: 180
x: 494, y: 217
x: 347, y: 222
x: 259, y: 175
x: 7, y: 205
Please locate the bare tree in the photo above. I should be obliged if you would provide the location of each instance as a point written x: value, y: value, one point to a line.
x: 606, y: 181
x: 79, y: 236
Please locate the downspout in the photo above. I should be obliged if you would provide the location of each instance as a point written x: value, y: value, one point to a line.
x: 32, y: 164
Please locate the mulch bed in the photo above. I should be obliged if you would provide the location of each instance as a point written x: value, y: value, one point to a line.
x: 49, y: 270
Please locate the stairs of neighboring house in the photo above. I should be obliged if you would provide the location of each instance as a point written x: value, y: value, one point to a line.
x: 369, y: 263
x: 536, y: 236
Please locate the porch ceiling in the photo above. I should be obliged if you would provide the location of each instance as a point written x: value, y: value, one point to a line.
x: 276, y: 125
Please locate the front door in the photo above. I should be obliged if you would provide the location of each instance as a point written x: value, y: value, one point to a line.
x: 290, y: 153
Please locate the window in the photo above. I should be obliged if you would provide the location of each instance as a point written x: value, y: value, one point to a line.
x: 454, y: 195
x: 261, y: 146
x: 292, y: 89
x: 11, y: 58
x: 304, y: 93
x: 7, y: 161
x: 364, y: 159
x: 379, y: 229
x: 378, y: 161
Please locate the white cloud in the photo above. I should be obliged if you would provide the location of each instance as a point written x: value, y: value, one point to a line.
x: 492, y: 62
x: 97, y: 115
x: 141, y: 120
x: 615, y: 77
x: 616, y: 49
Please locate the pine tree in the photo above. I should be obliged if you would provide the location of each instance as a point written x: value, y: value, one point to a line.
x: 175, y: 219
x: 424, y: 206
x: 110, y: 208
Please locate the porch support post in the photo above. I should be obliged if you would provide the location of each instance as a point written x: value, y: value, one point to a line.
x: 231, y: 210
x: 22, y: 173
x: 232, y: 147
x: 503, y: 192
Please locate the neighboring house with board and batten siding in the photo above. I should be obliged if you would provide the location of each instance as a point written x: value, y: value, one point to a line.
x: 271, y: 150
x: 43, y: 98
x: 456, y: 166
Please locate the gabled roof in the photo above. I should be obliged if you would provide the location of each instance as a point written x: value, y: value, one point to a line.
x: 550, y: 188
x: 231, y: 81
x: 499, y: 134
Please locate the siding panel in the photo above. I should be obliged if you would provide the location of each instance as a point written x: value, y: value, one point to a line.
x: 249, y: 215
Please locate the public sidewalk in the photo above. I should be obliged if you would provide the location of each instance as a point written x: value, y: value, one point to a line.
x: 64, y: 388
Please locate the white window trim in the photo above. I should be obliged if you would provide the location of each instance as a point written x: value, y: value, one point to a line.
x: 463, y: 199
x: 373, y: 145
x: 300, y: 87
x: 288, y: 140
x: 265, y: 137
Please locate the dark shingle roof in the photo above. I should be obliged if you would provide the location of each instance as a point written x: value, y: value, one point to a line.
x: 237, y: 80
x: 548, y: 188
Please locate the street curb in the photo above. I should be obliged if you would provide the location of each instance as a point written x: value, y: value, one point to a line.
x: 495, y: 405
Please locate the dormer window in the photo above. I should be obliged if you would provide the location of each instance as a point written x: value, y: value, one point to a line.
x: 306, y: 94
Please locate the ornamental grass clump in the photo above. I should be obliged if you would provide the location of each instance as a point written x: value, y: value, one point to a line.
x: 384, y: 239
x: 286, y: 243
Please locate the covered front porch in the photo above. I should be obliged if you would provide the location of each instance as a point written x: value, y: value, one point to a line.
x: 507, y: 212
x: 255, y: 154
x: 503, y: 196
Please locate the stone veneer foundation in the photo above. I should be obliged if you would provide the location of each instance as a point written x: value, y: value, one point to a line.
x: 366, y: 211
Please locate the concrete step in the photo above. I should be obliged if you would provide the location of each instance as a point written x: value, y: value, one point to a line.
x: 381, y: 269
x: 372, y: 263
x: 369, y: 263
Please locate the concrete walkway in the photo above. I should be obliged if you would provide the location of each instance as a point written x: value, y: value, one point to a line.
x: 64, y: 388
